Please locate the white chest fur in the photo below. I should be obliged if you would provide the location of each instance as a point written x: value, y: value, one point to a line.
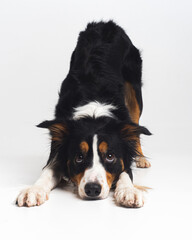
x: 94, y: 109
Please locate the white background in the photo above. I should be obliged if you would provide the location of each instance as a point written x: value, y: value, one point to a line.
x: 36, y: 42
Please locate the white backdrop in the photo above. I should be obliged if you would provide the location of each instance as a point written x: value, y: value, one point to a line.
x: 36, y: 42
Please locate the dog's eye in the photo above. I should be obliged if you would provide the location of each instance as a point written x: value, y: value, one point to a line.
x: 79, y: 158
x: 110, y: 157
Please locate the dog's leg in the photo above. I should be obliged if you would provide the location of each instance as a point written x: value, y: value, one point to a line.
x: 141, y: 161
x: 126, y: 194
x: 38, y: 193
x: 135, y: 112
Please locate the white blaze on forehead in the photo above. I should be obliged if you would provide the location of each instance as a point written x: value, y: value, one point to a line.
x: 93, y: 109
x: 96, y: 173
x: 97, y: 170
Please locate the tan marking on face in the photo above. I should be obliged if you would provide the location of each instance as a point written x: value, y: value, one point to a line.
x: 103, y: 146
x: 77, y: 178
x: 110, y: 178
x: 84, y: 147
x: 122, y: 164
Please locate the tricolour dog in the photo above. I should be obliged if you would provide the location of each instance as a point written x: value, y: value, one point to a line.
x: 95, y: 136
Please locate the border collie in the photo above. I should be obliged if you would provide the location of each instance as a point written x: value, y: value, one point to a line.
x: 95, y: 135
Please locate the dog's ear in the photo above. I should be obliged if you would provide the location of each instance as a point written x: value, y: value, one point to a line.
x: 132, y: 131
x: 58, y: 129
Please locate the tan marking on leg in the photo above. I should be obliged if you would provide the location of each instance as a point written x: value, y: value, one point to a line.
x: 134, y: 111
x: 131, y: 103
x: 141, y: 161
x: 103, y: 146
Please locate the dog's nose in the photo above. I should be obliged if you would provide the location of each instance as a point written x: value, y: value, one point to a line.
x: 92, y: 189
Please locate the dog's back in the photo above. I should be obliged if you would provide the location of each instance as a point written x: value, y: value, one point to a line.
x: 100, y: 50
x: 102, y: 64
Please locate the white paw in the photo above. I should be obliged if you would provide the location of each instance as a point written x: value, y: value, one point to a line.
x: 142, y: 162
x: 32, y: 196
x: 129, y: 197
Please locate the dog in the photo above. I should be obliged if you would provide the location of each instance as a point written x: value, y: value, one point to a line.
x: 95, y: 135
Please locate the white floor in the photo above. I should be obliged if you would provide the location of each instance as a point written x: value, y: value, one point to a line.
x: 165, y: 215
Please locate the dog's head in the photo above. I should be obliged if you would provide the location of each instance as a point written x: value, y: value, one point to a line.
x: 93, y: 153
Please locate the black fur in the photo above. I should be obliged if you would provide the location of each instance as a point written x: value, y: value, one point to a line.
x: 102, y: 61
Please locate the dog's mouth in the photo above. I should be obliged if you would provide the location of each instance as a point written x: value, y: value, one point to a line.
x: 92, y: 198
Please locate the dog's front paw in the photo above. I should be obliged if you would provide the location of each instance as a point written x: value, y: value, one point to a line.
x: 142, y: 162
x: 32, y: 196
x: 129, y: 197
